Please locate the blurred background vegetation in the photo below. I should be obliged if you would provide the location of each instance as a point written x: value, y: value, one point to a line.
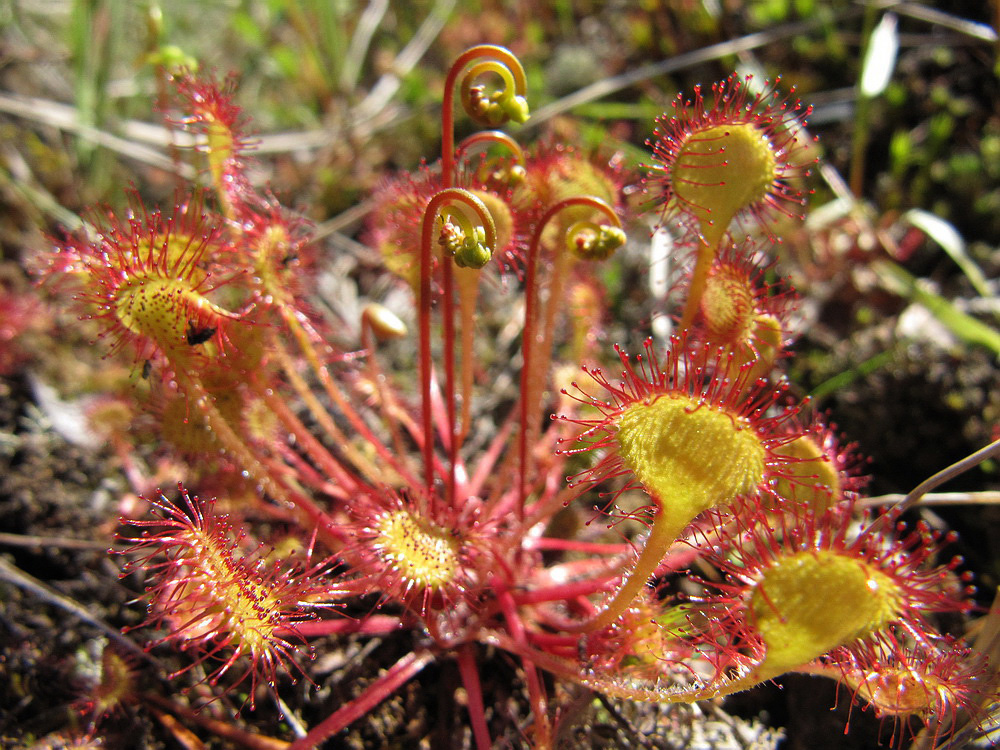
x: 340, y: 91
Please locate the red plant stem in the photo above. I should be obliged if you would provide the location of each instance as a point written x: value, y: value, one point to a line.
x: 600, y: 548
x: 553, y: 304
x: 503, y: 57
x: 440, y: 414
x: 302, y: 338
x: 564, y: 591
x: 390, y: 409
x: 394, y: 678
x: 492, y: 136
x: 586, y: 567
x: 528, y: 343
x: 536, y: 693
x: 550, y: 641
x: 426, y: 240
x: 447, y: 179
x: 469, y: 671
x: 331, y: 534
x: 434, y: 206
x: 467, y: 297
x: 321, y: 415
x: 307, y: 475
x: 371, y: 625
x: 316, y: 451
x: 448, y: 313
x: 487, y: 460
x: 530, y: 383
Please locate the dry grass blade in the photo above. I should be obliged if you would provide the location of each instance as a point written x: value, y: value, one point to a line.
x: 67, y: 118
x: 360, y: 42
x: 17, y: 577
x: 39, y: 542
x: 937, y: 498
x: 948, y: 21
x: 608, y: 86
x: 388, y: 85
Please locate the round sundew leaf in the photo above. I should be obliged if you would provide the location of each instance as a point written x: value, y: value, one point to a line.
x: 810, y: 477
x: 690, y: 456
x: 728, y: 306
x: 808, y: 603
x: 723, y: 169
x: 424, y: 554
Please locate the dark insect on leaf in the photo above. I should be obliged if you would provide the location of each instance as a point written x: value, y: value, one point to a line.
x: 197, y: 336
x: 147, y: 368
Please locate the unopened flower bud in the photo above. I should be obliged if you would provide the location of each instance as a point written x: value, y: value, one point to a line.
x: 595, y: 242
x: 384, y: 322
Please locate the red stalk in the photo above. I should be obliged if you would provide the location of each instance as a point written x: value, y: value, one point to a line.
x: 536, y: 693
x: 394, y: 678
x: 434, y: 206
x: 530, y: 380
x: 370, y: 625
x: 474, y: 691
x: 565, y: 591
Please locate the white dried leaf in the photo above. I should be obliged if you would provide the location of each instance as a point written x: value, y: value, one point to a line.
x: 880, y: 59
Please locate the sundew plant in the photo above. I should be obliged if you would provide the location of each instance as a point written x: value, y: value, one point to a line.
x: 657, y: 519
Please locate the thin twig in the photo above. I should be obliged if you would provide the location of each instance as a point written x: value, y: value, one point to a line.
x: 607, y: 86
x: 917, y: 493
x: 937, y: 498
x: 959, y: 467
x: 223, y: 729
x: 360, y: 42
x: 387, y: 86
x: 973, y: 29
x: 17, y: 577
x: 59, y: 542
x: 67, y: 118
